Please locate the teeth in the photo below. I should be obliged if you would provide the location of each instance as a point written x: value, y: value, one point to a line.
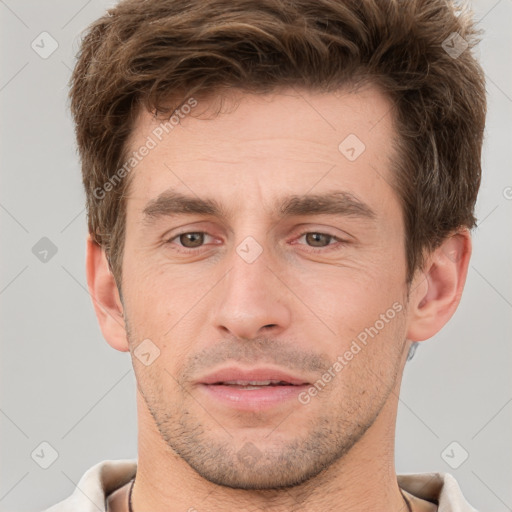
x: 252, y: 383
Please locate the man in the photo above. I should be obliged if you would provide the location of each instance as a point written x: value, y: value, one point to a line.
x: 279, y: 201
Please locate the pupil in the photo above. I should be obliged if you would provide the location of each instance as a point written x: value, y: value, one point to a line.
x: 195, y: 239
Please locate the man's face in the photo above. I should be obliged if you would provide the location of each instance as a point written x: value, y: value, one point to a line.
x: 258, y: 292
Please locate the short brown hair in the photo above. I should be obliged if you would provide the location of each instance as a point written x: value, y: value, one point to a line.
x: 142, y: 53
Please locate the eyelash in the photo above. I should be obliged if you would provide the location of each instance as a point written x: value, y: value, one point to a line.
x: 327, y: 248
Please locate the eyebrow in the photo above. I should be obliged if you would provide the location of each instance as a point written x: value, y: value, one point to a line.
x: 172, y: 203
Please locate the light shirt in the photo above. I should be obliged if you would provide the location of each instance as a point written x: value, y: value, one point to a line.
x: 104, y: 478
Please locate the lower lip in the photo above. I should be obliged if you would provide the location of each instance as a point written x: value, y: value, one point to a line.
x: 252, y: 399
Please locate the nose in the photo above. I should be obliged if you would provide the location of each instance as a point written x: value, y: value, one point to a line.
x: 251, y: 301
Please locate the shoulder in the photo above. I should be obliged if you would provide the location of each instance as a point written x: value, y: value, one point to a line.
x: 96, y: 484
x: 440, y: 488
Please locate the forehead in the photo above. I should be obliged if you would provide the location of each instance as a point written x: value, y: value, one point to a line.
x: 291, y: 140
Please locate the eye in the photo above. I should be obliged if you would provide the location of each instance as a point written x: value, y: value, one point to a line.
x: 318, y: 240
x: 189, y: 241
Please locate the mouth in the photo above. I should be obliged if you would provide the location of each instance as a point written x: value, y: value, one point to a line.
x: 256, y: 389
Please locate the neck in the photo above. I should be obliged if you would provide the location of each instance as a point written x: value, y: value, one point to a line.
x: 364, y: 479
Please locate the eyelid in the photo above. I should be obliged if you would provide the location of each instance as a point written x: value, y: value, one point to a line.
x: 194, y: 227
x: 325, y: 230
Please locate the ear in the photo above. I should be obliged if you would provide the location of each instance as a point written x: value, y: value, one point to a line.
x: 436, y: 289
x: 105, y: 297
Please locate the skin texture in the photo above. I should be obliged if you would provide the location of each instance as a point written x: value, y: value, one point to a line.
x: 297, y: 307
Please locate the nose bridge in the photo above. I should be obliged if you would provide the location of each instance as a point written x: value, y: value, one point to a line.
x: 251, y: 297
x: 250, y: 274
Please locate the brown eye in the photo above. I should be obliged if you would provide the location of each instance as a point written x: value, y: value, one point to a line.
x: 191, y: 240
x: 318, y: 239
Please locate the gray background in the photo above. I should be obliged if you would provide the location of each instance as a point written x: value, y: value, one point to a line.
x: 63, y: 384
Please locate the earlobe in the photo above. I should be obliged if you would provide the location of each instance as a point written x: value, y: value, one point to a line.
x: 105, y: 296
x: 436, y: 290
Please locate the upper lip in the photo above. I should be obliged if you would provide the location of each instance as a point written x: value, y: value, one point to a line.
x: 240, y: 376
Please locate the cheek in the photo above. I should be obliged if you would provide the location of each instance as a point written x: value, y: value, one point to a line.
x: 152, y: 290
x: 362, y: 328
x: 371, y: 358
x: 161, y: 304
x: 348, y: 299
